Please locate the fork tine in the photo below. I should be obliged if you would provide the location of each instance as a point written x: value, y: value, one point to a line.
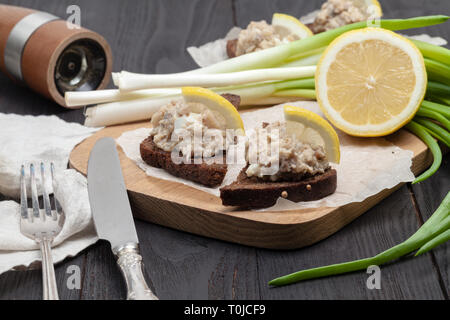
x: 23, y: 194
x: 46, y: 198
x: 34, y: 195
x: 55, y: 201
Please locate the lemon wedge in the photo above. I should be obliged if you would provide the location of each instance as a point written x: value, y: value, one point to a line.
x: 370, y: 82
x: 309, y: 127
x: 285, y: 25
x: 215, y: 103
x: 370, y: 7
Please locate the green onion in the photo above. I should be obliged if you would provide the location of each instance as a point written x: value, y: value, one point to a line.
x: 445, y: 101
x: 436, y: 224
x: 82, y: 98
x: 277, y: 55
x: 424, y: 112
x: 306, y: 54
x: 439, y: 239
x: 439, y: 89
x: 433, y: 52
x: 296, y: 84
x: 435, y: 130
x: 294, y: 54
x: 423, y: 134
x: 437, y: 71
x: 129, y: 82
x: 308, y: 61
x: 301, y: 93
x: 436, y: 107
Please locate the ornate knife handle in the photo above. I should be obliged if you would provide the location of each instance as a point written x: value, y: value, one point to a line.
x: 130, y: 263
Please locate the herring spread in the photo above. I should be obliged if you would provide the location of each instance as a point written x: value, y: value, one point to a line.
x: 337, y: 13
x: 260, y: 35
x: 294, y: 158
x: 187, y: 121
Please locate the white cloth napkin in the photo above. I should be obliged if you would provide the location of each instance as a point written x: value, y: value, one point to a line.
x: 29, y: 139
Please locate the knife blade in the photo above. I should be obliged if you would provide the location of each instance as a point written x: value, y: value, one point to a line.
x: 112, y: 215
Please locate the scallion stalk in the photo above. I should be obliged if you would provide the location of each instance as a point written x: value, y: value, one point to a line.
x: 308, y: 61
x: 130, y: 82
x: 424, y: 112
x: 436, y: 107
x: 423, y: 134
x: 439, y: 89
x: 439, y: 239
x: 83, y: 98
x: 435, y: 130
x: 433, y: 52
x: 437, y: 71
x: 277, y: 55
x: 302, y: 93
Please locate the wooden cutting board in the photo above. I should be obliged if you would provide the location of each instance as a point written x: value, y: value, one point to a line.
x: 184, y: 208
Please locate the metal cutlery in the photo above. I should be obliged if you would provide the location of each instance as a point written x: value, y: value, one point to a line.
x: 41, y: 225
x: 112, y: 215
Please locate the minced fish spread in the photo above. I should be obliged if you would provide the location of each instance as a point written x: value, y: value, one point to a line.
x: 188, y: 120
x: 260, y: 35
x: 337, y: 13
x: 294, y: 158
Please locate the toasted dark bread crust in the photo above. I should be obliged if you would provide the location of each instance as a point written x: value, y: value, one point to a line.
x: 231, y: 48
x: 247, y: 193
x: 210, y: 175
x: 233, y: 98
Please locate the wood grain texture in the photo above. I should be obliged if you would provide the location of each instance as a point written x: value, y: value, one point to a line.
x: 149, y: 36
x: 429, y: 195
x: 184, y: 208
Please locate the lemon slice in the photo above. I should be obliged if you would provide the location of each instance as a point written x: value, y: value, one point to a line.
x: 370, y: 82
x: 285, y: 25
x: 309, y: 127
x: 215, y: 103
x: 370, y: 7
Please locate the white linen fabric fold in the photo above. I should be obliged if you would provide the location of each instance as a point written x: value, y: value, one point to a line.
x: 29, y: 139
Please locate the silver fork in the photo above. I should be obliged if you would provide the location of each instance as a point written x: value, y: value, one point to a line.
x: 41, y: 225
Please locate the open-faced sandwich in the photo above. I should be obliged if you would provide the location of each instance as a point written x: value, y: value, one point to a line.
x: 291, y: 160
x: 188, y: 136
x: 284, y: 28
x: 260, y: 35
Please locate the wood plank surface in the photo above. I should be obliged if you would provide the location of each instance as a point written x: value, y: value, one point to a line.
x: 151, y: 36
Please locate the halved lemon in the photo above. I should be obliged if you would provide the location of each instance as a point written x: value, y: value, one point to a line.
x: 285, y: 25
x: 370, y: 7
x: 370, y: 82
x: 215, y: 103
x: 309, y: 127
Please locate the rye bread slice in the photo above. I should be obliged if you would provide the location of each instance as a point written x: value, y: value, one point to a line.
x: 248, y: 192
x: 231, y: 48
x: 210, y: 175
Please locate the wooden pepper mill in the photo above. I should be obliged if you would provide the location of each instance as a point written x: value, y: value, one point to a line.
x: 50, y: 55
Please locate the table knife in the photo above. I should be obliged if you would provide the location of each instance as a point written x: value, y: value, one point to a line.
x: 112, y: 215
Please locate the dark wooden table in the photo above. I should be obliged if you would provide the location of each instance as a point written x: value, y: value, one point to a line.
x: 152, y: 36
